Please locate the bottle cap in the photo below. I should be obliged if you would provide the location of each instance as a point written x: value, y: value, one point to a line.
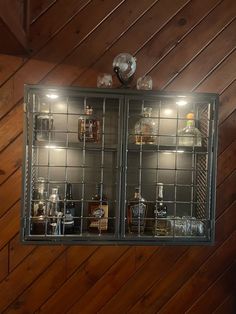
x: 190, y: 116
x: 147, y: 110
x: 88, y: 110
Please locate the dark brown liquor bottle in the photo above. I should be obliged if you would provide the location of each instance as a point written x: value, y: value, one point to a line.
x: 39, y: 208
x: 98, y: 211
x: 89, y: 127
x: 137, y: 210
x: 68, y: 218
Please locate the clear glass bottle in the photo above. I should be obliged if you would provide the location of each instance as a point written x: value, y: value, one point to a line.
x: 146, y: 128
x: 54, y: 213
x: 43, y: 124
x: 160, y: 213
x: 89, y: 128
x: 137, y: 210
x: 68, y: 218
x: 98, y: 211
x: 189, y: 135
x: 39, y: 207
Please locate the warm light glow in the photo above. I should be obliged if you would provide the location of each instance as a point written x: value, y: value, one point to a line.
x: 168, y: 112
x: 52, y: 96
x: 181, y: 102
x: 53, y: 147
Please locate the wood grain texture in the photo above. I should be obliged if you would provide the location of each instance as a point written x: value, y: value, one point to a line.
x: 186, y: 45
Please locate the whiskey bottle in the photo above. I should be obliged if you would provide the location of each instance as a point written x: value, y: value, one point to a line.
x: 160, y: 213
x: 89, y: 128
x: 146, y: 128
x: 39, y: 207
x: 98, y: 212
x: 189, y: 135
x: 137, y: 210
x: 54, y: 213
x: 68, y: 219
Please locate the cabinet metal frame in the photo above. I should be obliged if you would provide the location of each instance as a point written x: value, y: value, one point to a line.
x: 123, y: 95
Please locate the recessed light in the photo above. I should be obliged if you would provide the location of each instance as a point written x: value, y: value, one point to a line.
x: 52, y: 96
x: 181, y: 102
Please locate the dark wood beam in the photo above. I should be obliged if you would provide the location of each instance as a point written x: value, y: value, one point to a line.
x: 13, y: 27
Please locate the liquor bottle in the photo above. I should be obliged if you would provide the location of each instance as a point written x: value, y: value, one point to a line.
x: 137, y: 210
x: 98, y: 211
x: 89, y: 128
x: 146, y: 128
x: 39, y: 207
x: 160, y: 213
x: 189, y: 135
x: 43, y: 124
x: 68, y: 219
x: 54, y: 213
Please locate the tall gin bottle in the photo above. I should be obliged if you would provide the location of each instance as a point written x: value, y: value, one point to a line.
x: 146, y: 128
x: 68, y: 219
x: 137, y: 210
x: 54, y: 213
x: 189, y: 135
x: 160, y: 213
x: 89, y: 127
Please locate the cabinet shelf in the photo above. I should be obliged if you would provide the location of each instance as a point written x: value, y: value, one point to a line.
x: 88, y: 138
x: 74, y: 145
x: 165, y: 148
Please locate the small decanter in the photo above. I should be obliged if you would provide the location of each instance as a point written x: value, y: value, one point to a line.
x: 146, y: 128
x: 189, y: 135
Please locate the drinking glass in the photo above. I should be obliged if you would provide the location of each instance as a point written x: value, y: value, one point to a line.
x: 104, y: 80
x: 144, y: 82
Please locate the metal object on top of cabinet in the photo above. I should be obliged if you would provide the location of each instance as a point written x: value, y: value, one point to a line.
x: 140, y: 166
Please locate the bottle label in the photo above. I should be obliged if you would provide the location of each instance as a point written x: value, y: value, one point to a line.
x: 138, y: 212
x: 68, y: 220
x: 98, y: 212
x: 89, y: 129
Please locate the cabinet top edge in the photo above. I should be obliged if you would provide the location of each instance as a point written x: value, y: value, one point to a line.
x: 119, y: 91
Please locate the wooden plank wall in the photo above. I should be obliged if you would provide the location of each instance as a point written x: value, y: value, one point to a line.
x: 186, y: 45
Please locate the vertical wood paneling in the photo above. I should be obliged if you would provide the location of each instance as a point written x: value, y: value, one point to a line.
x: 185, y: 45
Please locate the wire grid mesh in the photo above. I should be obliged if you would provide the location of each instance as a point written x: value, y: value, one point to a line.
x: 183, y: 171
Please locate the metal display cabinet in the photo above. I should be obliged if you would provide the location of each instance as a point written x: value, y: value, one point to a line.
x: 54, y: 152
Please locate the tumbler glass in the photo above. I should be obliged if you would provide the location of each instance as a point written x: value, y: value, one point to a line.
x: 144, y: 82
x: 104, y: 80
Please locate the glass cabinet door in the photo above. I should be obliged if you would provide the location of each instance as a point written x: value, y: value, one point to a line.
x: 169, y: 143
x: 73, y: 187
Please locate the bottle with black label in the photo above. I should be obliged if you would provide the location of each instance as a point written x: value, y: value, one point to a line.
x: 68, y: 219
x: 137, y: 210
x: 160, y: 213
x: 98, y: 211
